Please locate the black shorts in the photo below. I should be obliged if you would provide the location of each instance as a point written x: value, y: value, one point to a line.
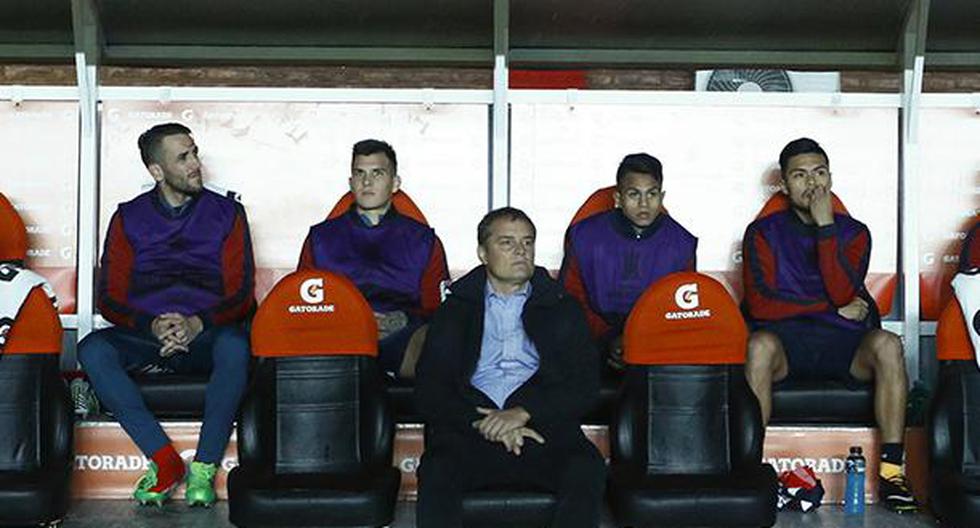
x: 818, y: 351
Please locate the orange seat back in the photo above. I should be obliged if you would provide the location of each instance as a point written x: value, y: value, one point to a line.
x: 780, y: 202
x: 314, y: 313
x: 599, y: 202
x: 685, y: 318
x: 952, y: 338
x: 13, y: 234
x: 402, y: 202
x: 37, y: 329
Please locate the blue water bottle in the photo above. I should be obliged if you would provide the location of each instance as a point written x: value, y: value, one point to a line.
x: 854, y: 490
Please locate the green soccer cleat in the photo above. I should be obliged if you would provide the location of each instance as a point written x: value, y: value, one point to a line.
x: 147, y: 490
x: 200, y: 484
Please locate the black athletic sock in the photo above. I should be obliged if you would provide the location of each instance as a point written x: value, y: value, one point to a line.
x: 892, y: 453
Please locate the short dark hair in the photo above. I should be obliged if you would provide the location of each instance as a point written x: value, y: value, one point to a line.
x: 510, y: 213
x: 149, y: 141
x: 797, y: 147
x: 366, y: 147
x: 643, y: 163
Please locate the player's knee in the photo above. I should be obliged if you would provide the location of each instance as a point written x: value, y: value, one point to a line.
x: 887, y: 349
x: 764, y: 350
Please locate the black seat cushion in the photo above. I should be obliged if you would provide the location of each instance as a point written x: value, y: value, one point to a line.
x: 686, y: 445
x: 954, y: 444
x: 822, y: 402
x: 174, y: 395
x: 36, y: 435
x: 741, y: 498
x: 508, y: 507
x: 401, y: 398
x: 313, y: 499
x: 315, y: 442
x: 955, y: 498
x: 35, y: 497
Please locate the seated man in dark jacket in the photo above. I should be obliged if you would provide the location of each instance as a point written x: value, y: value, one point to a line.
x: 507, y: 371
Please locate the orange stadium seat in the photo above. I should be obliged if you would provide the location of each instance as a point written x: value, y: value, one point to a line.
x: 35, y: 409
x: 316, y: 423
x: 402, y: 202
x: 13, y: 241
x: 686, y: 436
x: 598, y: 202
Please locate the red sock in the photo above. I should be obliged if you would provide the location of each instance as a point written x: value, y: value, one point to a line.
x: 170, y: 468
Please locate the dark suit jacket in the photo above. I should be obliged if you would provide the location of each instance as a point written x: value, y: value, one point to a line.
x: 563, y: 389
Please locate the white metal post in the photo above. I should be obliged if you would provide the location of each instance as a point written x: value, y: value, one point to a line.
x: 912, y: 57
x: 500, y: 116
x: 88, y: 191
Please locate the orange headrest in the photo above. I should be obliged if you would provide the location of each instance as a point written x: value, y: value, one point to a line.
x: 314, y: 313
x: 403, y: 204
x: 37, y: 329
x: 13, y: 234
x: 952, y: 339
x: 780, y: 202
x: 599, y: 202
x: 685, y: 318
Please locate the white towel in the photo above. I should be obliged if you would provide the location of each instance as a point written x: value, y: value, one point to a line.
x: 966, y: 285
x: 16, y: 284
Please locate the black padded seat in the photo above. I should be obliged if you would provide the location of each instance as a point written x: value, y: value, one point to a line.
x: 514, y: 508
x: 954, y: 445
x: 315, y: 444
x: 822, y: 402
x: 686, y: 449
x: 733, y: 500
x: 354, y: 499
x: 401, y: 397
x: 173, y: 395
x: 36, y: 434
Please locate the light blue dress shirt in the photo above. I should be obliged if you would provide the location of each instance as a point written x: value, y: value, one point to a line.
x: 508, y: 358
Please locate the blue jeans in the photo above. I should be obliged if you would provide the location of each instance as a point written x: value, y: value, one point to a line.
x: 109, y: 355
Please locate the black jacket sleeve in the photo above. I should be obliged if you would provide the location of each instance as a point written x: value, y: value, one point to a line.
x: 438, y: 393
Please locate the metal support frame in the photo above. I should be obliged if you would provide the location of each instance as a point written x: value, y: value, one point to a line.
x: 35, y: 52
x: 88, y: 48
x: 672, y: 98
x: 912, y: 53
x: 38, y: 93
x: 295, y: 95
x: 169, y: 54
x: 699, y: 57
x: 500, y: 113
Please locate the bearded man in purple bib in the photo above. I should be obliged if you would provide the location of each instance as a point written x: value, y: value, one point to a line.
x: 397, y: 262
x: 611, y: 258
x: 811, y: 315
x: 177, y: 281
